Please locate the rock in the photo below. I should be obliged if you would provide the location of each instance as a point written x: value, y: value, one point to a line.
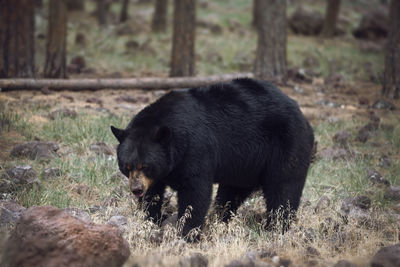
x: 299, y: 75
x: 374, y: 25
x: 385, y: 161
x: 101, y: 148
x: 393, y: 193
x: 335, y: 80
x: 387, y: 257
x: 94, y: 100
x: 323, y: 203
x: 247, y: 262
x: 35, y: 150
x: 170, y: 221
x: 18, y: 177
x: 353, y: 212
x: 194, y: 260
x: 330, y: 153
x: 10, y: 212
x: 51, y: 173
x: 47, y: 236
x: 79, y: 214
x: 376, y: 178
x: 328, y: 103
x: 63, y: 112
x: 365, y: 132
x: 212, y: 27
x: 383, y: 104
x: 80, y: 39
x: 120, y: 221
x: 77, y: 64
x: 341, y: 138
x: 344, y: 263
x: 125, y: 98
x: 312, y: 252
x: 82, y: 189
x: 306, y: 22
x: 362, y: 202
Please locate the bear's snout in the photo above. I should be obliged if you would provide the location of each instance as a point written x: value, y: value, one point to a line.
x: 139, y: 183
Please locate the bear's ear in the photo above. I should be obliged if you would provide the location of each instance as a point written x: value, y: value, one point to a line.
x: 119, y: 133
x: 162, y: 133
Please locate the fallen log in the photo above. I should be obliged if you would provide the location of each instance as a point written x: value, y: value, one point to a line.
x: 123, y: 83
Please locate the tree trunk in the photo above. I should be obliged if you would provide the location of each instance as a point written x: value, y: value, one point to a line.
x: 75, y: 5
x: 134, y: 83
x: 331, y: 16
x: 55, y: 66
x: 17, y: 46
x: 159, y: 23
x: 183, y: 56
x: 256, y: 12
x: 391, y: 79
x: 124, y: 11
x: 102, y: 12
x: 270, y: 60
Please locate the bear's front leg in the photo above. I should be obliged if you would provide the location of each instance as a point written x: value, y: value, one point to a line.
x: 196, y: 195
x: 152, y: 201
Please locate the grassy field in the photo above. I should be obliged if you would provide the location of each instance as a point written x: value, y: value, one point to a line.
x: 322, y: 235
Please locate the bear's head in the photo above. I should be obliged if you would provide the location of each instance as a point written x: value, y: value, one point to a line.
x: 143, y: 155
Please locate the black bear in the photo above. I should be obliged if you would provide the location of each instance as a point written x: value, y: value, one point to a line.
x: 244, y: 135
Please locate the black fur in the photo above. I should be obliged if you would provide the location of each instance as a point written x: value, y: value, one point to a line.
x: 243, y: 135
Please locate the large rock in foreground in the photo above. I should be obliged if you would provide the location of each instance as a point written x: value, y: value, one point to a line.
x: 47, y: 236
x: 387, y: 257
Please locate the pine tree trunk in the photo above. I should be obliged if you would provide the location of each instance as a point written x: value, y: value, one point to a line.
x: 183, y: 56
x: 17, y: 46
x: 55, y: 66
x: 256, y: 12
x: 124, y: 11
x: 391, y: 79
x: 270, y: 60
x: 75, y: 5
x: 102, y: 9
x: 331, y: 16
x: 159, y: 23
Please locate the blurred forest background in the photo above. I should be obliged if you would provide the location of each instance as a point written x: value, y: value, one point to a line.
x: 338, y: 59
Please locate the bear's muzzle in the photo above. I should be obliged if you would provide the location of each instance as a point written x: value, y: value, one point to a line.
x: 139, y: 183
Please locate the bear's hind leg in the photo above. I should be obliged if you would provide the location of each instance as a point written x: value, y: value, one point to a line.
x: 229, y: 199
x: 282, y: 202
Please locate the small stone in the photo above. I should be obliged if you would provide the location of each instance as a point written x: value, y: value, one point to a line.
x: 323, y: 203
x: 101, y: 148
x: 17, y: 177
x: 35, y: 150
x: 125, y: 98
x: 312, y: 252
x: 387, y: 257
x: 362, y: 202
x: 170, y: 221
x: 94, y: 100
x: 383, y: 104
x: 385, y: 161
x: 120, y: 221
x: 63, y: 112
x: 330, y: 153
x: 393, y: 193
x: 51, y: 173
x: 344, y: 263
x: 376, y: 178
x: 83, y: 189
x: 194, y: 260
x: 10, y: 212
x: 341, y: 138
x: 79, y: 214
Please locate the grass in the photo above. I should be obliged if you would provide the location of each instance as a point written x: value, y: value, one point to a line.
x: 231, y: 51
